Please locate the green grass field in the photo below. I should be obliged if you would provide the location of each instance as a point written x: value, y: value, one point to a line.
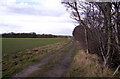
x: 13, y: 45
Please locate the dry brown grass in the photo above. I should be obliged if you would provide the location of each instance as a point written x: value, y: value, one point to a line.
x: 87, y: 65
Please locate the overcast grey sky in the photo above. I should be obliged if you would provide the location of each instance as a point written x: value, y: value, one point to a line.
x: 40, y: 16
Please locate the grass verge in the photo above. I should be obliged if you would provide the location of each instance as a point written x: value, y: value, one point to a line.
x: 16, y: 62
x: 51, y: 63
x: 87, y: 65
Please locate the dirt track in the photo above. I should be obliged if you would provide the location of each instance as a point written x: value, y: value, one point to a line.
x: 58, y: 70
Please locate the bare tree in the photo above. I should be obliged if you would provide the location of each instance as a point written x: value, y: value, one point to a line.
x: 74, y: 5
x: 101, y: 24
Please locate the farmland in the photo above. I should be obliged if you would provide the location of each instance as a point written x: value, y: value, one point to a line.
x: 13, y: 45
x: 21, y: 52
x: 49, y: 57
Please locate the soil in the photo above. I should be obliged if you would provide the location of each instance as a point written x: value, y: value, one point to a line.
x: 58, y: 70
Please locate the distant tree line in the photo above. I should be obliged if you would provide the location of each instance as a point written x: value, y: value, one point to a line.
x: 30, y: 35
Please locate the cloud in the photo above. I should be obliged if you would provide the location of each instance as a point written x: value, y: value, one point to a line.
x: 35, y: 7
x: 5, y: 28
x: 40, y: 16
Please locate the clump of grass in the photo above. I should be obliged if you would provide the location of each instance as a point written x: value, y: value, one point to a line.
x: 87, y: 65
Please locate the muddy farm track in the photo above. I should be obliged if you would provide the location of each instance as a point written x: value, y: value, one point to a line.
x: 58, y: 69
